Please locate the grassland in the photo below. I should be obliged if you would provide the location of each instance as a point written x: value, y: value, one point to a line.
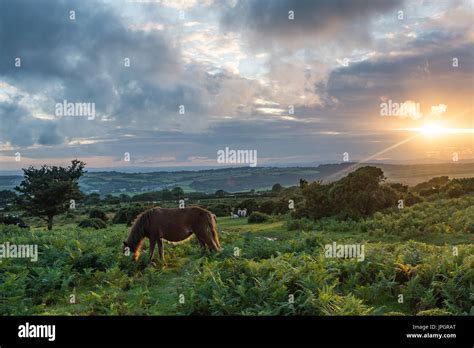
x: 423, y: 252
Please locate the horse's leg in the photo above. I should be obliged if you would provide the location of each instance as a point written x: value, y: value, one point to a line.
x: 152, y: 248
x: 203, y: 232
x: 160, y: 250
x: 202, y: 244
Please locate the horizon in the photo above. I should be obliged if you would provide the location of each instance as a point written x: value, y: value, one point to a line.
x: 152, y: 169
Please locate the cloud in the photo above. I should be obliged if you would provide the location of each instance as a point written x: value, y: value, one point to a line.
x: 236, y: 67
x: 267, y: 23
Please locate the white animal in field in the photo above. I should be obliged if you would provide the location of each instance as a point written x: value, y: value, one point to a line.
x: 242, y: 212
x: 234, y: 216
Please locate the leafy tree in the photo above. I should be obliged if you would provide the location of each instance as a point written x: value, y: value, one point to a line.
x: 127, y: 215
x: 361, y: 193
x: 177, y: 192
x: 220, y: 193
x: 455, y: 190
x: 317, y: 203
x: 124, y: 197
x: 431, y: 186
x: 92, y: 199
x: 166, y: 195
x: 250, y: 204
x: 147, y: 196
x: 277, y: 188
x: 412, y: 198
x: 48, y: 191
x: 7, y: 196
x: 267, y: 207
x: 111, y: 199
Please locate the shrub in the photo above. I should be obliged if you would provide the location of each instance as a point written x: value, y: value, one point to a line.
x: 13, y: 220
x: 220, y: 209
x: 412, y: 198
x: 249, y: 204
x: 98, y: 214
x: 257, y: 217
x: 92, y: 223
x: 267, y: 207
x: 128, y: 214
x: 300, y: 224
x: 455, y: 190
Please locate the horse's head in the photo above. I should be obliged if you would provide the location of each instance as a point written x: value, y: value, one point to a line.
x: 127, y: 249
x: 134, y: 250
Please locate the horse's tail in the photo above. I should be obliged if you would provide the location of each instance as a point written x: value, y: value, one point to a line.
x: 212, y: 229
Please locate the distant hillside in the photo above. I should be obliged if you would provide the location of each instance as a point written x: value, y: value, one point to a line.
x: 246, y: 178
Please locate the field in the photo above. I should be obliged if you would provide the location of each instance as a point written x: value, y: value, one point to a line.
x: 418, y: 261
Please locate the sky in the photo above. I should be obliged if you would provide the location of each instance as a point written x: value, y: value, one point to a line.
x: 172, y: 83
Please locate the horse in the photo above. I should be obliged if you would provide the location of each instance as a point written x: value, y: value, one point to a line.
x: 174, y: 225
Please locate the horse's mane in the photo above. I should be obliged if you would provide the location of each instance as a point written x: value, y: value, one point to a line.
x: 138, y: 230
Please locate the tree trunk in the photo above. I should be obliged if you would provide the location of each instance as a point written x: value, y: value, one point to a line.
x: 50, y: 223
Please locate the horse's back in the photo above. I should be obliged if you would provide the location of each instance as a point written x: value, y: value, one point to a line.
x: 176, y: 224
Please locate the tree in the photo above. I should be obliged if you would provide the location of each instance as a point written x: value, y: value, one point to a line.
x: 7, y: 196
x: 92, y: 199
x: 361, y: 192
x: 277, y: 188
x: 111, y: 199
x: 166, y: 195
x: 48, y: 191
x: 177, y: 192
x: 220, y: 193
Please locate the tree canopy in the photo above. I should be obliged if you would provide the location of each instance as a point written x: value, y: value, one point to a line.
x: 50, y: 190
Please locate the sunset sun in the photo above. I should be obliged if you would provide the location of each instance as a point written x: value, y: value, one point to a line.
x: 435, y: 128
x: 432, y: 129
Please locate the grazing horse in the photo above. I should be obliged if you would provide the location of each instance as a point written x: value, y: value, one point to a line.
x: 174, y: 225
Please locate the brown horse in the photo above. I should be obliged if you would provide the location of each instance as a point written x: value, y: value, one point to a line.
x: 174, y: 225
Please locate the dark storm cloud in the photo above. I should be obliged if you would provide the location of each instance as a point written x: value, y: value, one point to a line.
x: 267, y: 23
x: 21, y: 129
x: 83, y: 61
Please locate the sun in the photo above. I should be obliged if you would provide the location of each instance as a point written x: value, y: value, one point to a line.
x: 435, y: 128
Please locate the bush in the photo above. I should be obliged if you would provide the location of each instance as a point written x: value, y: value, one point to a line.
x: 98, y: 214
x: 220, y: 209
x: 92, y: 223
x: 455, y: 190
x: 300, y: 224
x: 250, y: 204
x: 267, y: 207
x: 257, y: 217
x: 128, y: 214
x: 412, y: 198
x: 13, y: 220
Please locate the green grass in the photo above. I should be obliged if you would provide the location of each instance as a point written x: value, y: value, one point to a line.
x: 408, y: 253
